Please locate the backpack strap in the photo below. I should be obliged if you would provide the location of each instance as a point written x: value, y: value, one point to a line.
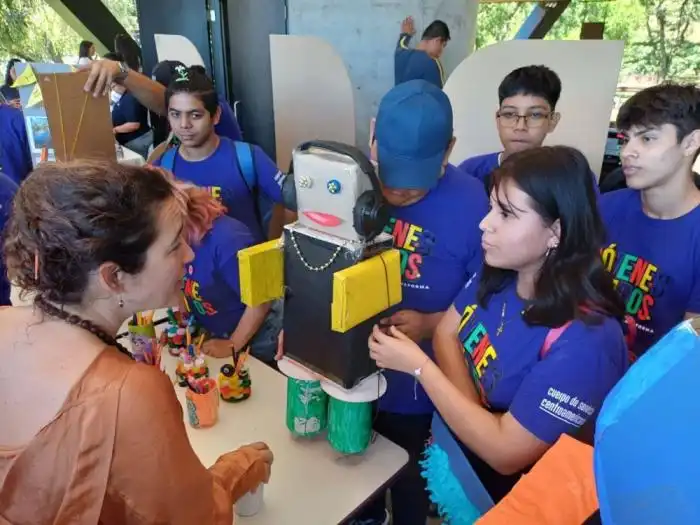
x: 167, y: 160
x: 551, y: 338
x: 246, y: 165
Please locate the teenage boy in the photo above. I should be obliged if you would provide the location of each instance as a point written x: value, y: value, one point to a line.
x: 423, y: 62
x: 653, y: 244
x: 435, y: 213
x: 528, y: 98
x: 206, y: 159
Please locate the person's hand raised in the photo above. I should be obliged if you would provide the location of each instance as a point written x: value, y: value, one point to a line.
x: 101, y: 77
x: 407, y: 26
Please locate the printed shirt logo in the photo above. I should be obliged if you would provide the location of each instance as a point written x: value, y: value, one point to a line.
x: 215, y: 192
x: 194, y: 301
x: 478, y: 351
x: 639, y: 282
x: 415, y: 244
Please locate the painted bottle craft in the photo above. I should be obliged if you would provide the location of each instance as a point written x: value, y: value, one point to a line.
x: 202, y: 399
x: 234, y: 386
x: 191, y: 363
x: 307, y: 407
x: 142, y: 335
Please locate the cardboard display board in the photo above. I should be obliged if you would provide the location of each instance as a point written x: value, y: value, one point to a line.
x: 312, y: 94
x: 61, y: 119
x: 588, y: 69
x: 81, y: 124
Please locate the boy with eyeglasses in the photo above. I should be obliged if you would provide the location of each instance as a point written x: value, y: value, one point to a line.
x: 528, y: 97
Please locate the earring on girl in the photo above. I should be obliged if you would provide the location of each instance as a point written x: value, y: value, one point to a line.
x: 121, y: 303
x: 551, y: 249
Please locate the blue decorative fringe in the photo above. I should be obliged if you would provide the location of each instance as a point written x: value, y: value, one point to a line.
x: 445, y: 489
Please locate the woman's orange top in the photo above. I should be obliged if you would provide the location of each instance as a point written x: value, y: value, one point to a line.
x: 117, y: 453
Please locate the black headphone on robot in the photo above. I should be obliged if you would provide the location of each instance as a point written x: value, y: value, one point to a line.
x: 370, y: 215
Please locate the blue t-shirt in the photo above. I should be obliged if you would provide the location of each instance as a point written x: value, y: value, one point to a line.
x: 128, y: 109
x: 211, y: 286
x: 655, y: 264
x: 551, y: 395
x: 228, y: 125
x: 8, y: 188
x: 440, y: 245
x: 220, y: 173
x: 414, y: 64
x: 481, y: 166
x: 15, y: 157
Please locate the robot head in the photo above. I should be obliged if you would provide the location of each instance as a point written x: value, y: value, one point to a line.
x: 335, y: 190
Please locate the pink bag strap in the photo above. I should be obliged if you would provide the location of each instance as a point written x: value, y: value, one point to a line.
x: 551, y: 338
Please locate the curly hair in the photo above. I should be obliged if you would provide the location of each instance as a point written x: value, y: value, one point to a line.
x: 68, y: 219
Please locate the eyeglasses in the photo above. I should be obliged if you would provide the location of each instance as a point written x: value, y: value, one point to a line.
x: 510, y: 119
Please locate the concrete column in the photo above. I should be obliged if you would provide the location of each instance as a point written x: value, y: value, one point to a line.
x: 365, y: 32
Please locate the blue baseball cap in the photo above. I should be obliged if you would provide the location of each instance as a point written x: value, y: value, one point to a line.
x: 413, y: 131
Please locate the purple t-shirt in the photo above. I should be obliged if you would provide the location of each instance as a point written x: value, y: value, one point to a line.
x: 211, y: 286
x: 655, y: 264
x: 440, y: 245
x: 220, y: 173
x: 551, y: 395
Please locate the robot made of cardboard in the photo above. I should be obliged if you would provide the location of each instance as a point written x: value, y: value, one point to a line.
x: 335, y: 268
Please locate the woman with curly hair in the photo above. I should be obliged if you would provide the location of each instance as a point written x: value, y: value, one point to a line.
x: 88, y: 434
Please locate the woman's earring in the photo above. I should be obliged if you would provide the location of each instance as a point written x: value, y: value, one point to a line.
x: 121, y: 303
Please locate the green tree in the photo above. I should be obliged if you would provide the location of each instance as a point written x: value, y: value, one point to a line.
x: 499, y: 21
x: 124, y: 11
x: 671, y: 49
x: 33, y: 31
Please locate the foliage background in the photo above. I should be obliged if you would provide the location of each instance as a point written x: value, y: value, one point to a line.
x: 662, y: 36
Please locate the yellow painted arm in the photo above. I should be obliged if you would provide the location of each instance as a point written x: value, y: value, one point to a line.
x: 365, y: 290
x: 261, y: 271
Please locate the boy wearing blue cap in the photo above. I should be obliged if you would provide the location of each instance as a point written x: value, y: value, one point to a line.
x: 424, y: 61
x: 435, y: 213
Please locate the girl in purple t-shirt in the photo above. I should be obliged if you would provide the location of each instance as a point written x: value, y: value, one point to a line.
x: 502, y: 400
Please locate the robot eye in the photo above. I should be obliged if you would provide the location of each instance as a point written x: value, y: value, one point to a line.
x: 333, y: 187
x: 305, y: 181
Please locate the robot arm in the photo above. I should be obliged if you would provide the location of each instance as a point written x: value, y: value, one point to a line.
x: 365, y: 290
x: 261, y: 270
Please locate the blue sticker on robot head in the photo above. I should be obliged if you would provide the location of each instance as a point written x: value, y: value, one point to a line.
x: 333, y: 187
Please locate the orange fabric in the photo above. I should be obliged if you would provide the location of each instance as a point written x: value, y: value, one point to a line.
x: 559, y: 490
x: 118, y: 453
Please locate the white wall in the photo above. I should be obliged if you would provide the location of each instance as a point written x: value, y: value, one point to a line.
x: 364, y: 34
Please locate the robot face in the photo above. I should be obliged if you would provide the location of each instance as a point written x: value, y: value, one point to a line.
x: 327, y: 188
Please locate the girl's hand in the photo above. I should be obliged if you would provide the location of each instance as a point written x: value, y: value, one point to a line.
x: 395, y: 351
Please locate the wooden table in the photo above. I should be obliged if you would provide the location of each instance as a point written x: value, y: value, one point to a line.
x: 310, y: 483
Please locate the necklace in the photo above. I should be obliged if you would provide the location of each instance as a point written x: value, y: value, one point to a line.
x: 499, y: 330
x: 306, y: 263
x: 504, y: 322
x: 53, y: 311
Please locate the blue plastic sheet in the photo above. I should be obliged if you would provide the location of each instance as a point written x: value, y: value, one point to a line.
x: 647, y: 462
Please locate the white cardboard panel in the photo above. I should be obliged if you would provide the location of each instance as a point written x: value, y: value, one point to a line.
x: 177, y: 47
x: 312, y: 94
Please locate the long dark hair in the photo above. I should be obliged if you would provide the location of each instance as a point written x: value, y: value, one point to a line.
x: 10, y: 65
x: 130, y: 51
x: 572, y: 283
x: 84, y: 49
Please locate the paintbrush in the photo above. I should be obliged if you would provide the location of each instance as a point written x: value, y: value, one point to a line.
x: 241, y: 361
